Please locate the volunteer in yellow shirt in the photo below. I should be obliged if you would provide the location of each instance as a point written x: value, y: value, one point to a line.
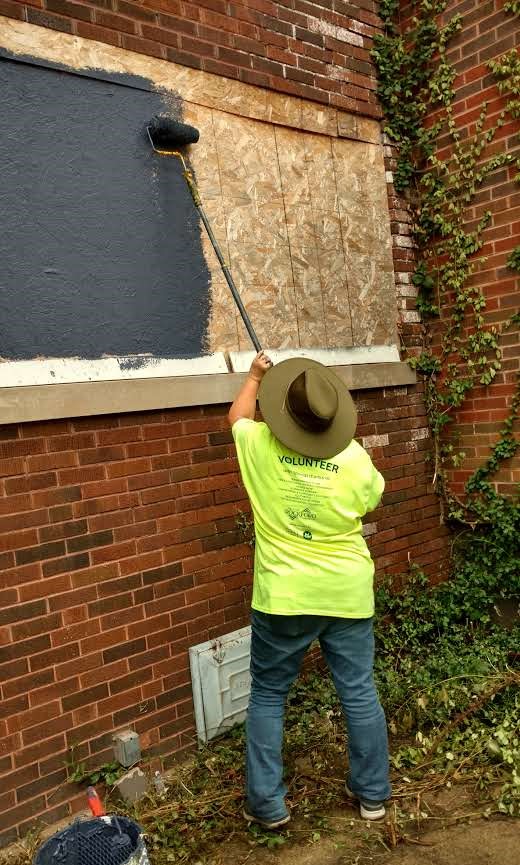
x: 309, y: 484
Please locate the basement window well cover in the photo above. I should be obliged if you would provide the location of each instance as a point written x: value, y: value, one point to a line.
x: 221, y: 682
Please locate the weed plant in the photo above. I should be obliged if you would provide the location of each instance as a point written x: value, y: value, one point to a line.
x: 449, y: 686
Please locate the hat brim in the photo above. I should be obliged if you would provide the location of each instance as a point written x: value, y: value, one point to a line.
x: 272, y: 400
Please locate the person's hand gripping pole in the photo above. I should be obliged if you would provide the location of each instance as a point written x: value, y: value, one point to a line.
x: 245, y: 401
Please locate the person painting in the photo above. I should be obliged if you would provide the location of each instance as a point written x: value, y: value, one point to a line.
x: 309, y: 484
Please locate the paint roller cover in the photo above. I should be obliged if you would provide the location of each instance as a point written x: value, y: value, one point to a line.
x: 169, y: 134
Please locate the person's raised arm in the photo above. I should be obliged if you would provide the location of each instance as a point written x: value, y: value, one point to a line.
x: 245, y: 400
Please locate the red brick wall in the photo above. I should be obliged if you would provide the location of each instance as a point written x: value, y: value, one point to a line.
x: 317, y: 50
x: 487, y: 33
x: 119, y: 545
x: 119, y: 548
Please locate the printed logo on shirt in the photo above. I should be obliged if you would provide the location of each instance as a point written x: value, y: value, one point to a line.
x: 307, y: 535
x: 307, y: 514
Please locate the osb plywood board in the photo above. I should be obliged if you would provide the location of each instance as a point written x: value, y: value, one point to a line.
x: 299, y: 210
x: 303, y: 221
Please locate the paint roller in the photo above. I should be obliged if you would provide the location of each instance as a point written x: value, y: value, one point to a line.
x: 167, y: 136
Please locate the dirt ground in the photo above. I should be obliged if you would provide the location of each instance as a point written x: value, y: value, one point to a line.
x: 480, y: 843
x: 453, y: 834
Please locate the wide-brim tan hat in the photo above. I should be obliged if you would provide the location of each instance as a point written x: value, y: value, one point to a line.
x: 307, y: 407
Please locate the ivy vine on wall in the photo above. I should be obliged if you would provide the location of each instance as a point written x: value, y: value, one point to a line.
x: 441, y: 171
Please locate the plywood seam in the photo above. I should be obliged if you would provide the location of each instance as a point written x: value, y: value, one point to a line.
x: 313, y: 211
x: 288, y: 239
x: 221, y: 187
x: 343, y: 242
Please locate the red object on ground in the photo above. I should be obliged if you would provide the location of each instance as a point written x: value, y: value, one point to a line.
x: 94, y: 802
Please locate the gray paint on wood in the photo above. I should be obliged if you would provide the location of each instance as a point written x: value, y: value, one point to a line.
x: 100, y: 242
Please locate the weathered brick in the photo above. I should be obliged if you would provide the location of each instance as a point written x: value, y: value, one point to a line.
x: 27, y: 683
x: 98, y: 489
x: 85, y: 697
x: 6, y: 561
x: 24, y: 648
x: 40, y: 552
x: 137, y: 677
x: 66, y: 564
x: 77, y: 596
x: 101, y: 455
x: 90, y: 576
x: 13, y: 466
x: 21, y: 447
x: 119, y: 23
x: 169, y: 698
x: 164, y: 573
x: 21, y: 612
x: 55, y: 656
x: 110, y: 604
x: 73, y: 633
x: 113, y: 552
x: 62, y: 530
x: 16, y: 815
x: 147, y: 448
x: 149, y: 626
x: 111, y: 520
x: 214, y: 620
x: 59, y: 513
x: 104, y: 673
x: 42, y: 785
x: 59, y: 496
x: 14, y: 669
x: 126, y: 650
x: 152, y: 656
x: 15, y: 540
x: 32, y: 627
x: 49, y: 586
x: 133, y: 11
x: 53, y: 691
x: 13, y: 707
x: 75, y: 616
x: 100, y: 641
x: 89, y: 541
x: 184, y: 58
x: 120, y: 586
x: 34, y: 716
x: 30, y: 755
x: 45, y: 730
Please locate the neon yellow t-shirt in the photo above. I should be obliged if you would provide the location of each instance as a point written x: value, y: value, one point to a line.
x: 310, y: 555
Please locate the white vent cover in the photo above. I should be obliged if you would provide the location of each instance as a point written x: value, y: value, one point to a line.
x: 221, y: 682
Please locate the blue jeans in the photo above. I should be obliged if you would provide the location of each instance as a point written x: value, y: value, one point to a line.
x: 278, y: 645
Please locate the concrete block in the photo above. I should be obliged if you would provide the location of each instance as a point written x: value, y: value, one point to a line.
x: 133, y: 785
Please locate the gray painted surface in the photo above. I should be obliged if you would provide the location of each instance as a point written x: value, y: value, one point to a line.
x: 100, y: 242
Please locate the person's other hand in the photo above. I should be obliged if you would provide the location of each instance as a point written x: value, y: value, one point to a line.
x: 260, y: 366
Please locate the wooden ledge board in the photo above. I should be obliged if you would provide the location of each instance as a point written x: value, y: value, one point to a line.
x: 87, y: 399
